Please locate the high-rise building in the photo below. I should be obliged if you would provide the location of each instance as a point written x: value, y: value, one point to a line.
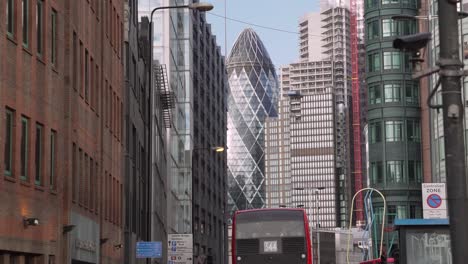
x: 144, y: 187
x: 306, y: 120
x: 394, y: 115
x: 172, y: 50
x: 209, y: 167
x: 253, y: 97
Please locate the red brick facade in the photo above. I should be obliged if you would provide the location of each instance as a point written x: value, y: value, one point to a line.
x: 72, y: 99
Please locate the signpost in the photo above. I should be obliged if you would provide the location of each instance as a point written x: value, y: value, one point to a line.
x: 149, y: 250
x: 434, y: 196
x: 180, y: 249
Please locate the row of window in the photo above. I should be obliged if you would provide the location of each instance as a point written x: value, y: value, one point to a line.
x: 388, y: 27
x: 89, y: 84
x: 392, y: 93
x: 371, y: 4
x: 28, y: 169
x: 388, y: 61
x: 398, y: 212
x: 12, y: 12
x: 394, y: 131
x: 91, y: 191
x: 395, y: 172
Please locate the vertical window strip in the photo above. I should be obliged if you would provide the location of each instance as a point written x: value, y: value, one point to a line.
x: 52, y: 179
x: 39, y: 25
x: 24, y: 148
x: 74, y: 174
x: 25, y: 20
x: 8, y: 152
x: 38, y: 155
x: 10, y: 17
x: 54, y: 37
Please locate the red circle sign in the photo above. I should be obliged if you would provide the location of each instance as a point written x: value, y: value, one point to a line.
x: 434, y: 201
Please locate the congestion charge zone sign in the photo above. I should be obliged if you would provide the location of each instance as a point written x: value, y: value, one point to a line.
x: 434, y: 198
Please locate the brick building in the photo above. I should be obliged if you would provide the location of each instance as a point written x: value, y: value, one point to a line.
x: 61, y: 89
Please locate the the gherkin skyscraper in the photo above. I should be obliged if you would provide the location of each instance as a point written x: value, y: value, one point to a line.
x: 253, y: 97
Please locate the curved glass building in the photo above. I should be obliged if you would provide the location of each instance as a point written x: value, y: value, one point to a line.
x: 253, y: 97
x: 394, y: 113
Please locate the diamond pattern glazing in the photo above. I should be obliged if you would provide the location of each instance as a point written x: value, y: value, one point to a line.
x: 253, y: 97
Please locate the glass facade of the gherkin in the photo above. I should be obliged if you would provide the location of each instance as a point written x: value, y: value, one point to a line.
x: 253, y: 97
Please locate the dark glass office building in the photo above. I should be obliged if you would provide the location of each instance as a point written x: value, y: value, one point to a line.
x: 393, y: 112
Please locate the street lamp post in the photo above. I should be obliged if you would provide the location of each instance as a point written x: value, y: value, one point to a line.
x: 317, y: 208
x: 202, y: 7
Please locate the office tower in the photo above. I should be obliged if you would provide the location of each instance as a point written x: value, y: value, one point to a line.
x: 253, y: 97
x: 306, y: 120
x: 139, y: 187
x: 209, y: 167
x: 176, y: 67
x: 393, y: 112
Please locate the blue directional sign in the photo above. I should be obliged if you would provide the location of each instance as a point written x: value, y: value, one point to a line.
x: 149, y: 249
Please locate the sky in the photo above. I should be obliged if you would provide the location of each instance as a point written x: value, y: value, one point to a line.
x: 281, y: 14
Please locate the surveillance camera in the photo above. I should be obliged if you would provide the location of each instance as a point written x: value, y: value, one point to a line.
x: 413, y: 42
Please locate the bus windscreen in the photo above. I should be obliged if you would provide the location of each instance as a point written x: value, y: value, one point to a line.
x: 270, y: 224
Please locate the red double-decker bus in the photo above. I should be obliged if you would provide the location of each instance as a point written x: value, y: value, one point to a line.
x: 279, y: 236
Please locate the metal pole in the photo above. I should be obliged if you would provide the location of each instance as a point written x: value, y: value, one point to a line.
x: 453, y: 110
x: 318, y: 225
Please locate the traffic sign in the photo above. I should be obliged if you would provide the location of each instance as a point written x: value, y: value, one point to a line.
x: 149, y: 249
x: 434, y: 200
x: 180, y: 248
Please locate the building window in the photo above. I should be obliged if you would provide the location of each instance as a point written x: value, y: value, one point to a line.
x: 53, y: 37
x: 375, y: 94
x: 395, y: 171
x: 39, y: 25
x: 376, y: 172
x: 375, y: 132
x: 392, y: 60
x: 53, y: 137
x: 393, y: 131
x: 389, y: 27
x: 38, y: 154
x: 75, y: 61
x: 412, y: 93
x: 413, y: 130
x: 25, y: 19
x: 414, y: 171
x: 74, y: 174
x: 373, y: 30
x: 374, y: 62
x: 415, y: 212
x: 10, y: 16
x: 389, y: 2
x: 407, y: 27
x: 392, y: 92
x: 86, y: 79
x: 9, y: 134
x: 24, y: 148
x: 410, y: 3
x: 372, y: 3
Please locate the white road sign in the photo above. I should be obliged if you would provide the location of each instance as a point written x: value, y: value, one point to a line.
x: 434, y: 198
x: 180, y: 249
